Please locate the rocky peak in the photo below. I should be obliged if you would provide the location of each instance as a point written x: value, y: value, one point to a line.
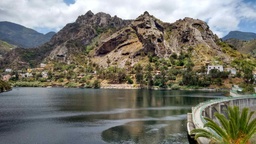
x: 147, y: 35
x: 74, y: 37
x: 87, y: 15
x: 150, y: 32
x: 101, y: 20
x: 189, y: 31
x: 124, y: 41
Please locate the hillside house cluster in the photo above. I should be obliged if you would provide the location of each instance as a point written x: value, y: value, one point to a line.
x: 221, y: 69
x: 9, y: 73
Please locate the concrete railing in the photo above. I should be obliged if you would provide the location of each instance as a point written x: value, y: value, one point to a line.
x: 208, y: 108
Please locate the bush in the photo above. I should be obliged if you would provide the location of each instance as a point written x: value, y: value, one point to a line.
x: 96, y: 84
x: 129, y: 80
x: 248, y: 88
x: 175, y: 87
x: 4, y: 86
x: 72, y: 85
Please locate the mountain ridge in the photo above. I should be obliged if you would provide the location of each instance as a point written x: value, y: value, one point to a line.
x: 22, y: 36
x: 244, y: 42
x: 240, y: 35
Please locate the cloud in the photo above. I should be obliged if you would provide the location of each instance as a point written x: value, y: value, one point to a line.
x: 221, y: 15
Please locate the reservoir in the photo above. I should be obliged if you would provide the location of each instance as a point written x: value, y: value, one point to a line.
x: 96, y: 116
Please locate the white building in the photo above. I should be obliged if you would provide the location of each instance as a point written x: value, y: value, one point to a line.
x: 44, y: 74
x: 218, y: 67
x: 42, y: 65
x: 8, y: 70
x: 24, y: 75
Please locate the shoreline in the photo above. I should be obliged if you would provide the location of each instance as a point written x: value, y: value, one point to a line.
x: 132, y: 87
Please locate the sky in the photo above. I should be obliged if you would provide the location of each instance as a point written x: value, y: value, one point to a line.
x: 51, y: 15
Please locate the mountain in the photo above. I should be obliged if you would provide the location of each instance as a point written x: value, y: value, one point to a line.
x: 240, y: 35
x: 129, y: 41
x: 21, y: 36
x: 105, y: 40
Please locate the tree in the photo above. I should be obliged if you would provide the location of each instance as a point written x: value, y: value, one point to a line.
x: 248, y: 76
x: 148, y: 76
x: 96, y: 84
x: 138, y: 73
x: 236, y: 128
x: 108, y: 61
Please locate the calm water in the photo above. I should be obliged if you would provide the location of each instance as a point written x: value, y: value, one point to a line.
x: 88, y: 116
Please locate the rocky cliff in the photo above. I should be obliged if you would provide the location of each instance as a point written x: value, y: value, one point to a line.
x: 107, y: 40
x: 75, y: 37
x: 147, y: 35
x: 68, y: 43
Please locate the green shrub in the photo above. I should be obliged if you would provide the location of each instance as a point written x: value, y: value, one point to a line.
x: 96, y: 84
x: 129, y: 80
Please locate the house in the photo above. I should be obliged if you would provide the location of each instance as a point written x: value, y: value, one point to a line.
x: 218, y: 67
x: 44, y: 74
x: 8, y: 70
x: 24, y: 75
x: 6, y: 77
x: 42, y: 65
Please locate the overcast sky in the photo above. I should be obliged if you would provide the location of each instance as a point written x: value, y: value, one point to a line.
x: 51, y: 15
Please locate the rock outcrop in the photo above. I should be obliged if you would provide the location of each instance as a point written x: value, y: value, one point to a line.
x: 191, y: 32
x: 154, y: 37
x: 74, y: 37
x: 103, y: 38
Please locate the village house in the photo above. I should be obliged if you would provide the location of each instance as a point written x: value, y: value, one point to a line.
x: 8, y: 70
x: 24, y: 75
x: 42, y: 65
x: 44, y: 74
x: 218, y: 67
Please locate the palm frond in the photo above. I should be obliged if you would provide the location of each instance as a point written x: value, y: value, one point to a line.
x: 223, y: 120
x: 200, y: 132
x: 244, y: 119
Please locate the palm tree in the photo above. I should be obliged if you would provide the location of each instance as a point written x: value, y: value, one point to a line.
x: 236, y: 128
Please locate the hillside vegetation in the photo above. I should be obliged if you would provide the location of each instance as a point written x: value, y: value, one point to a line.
x: 5, y: 48
x: 245, y: 47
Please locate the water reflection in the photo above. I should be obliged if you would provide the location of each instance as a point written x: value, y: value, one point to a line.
x: 143, y: 132
x: 96, y: 116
